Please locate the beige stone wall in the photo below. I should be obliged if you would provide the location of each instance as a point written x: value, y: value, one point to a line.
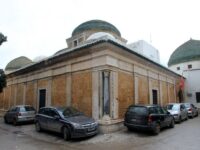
x: 20, y: 94
x: 12, y: 98
x: 1, y: 100
x: 125, y: 92
x: 59, y: 90
x: 82, y: 92
x: 171, y: 94
x: 164, y: 93
x: 30, y: 94
x: 143, y: 90
x: 42, y: 83
x: 7, y: 97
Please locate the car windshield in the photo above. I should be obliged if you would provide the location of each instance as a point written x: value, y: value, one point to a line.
x: 187, y: 105
x: 26, y: 108
x: 69, y: 111
x: 138, y: 110
x: 173, y: 107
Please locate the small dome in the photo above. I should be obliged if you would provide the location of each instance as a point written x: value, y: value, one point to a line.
x: 99, y: 35
x: 96, y: 25
x: 188, y: 51
x: 18, y: 63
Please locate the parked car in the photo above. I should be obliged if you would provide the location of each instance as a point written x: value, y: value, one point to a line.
x: 192, y: 110
x: 20, y: 113
x: 65, y: 120
x: 178, y: 110
x: 148, y: 117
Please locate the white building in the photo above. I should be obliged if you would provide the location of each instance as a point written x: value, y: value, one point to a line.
x: 146, y: 49
x: 185, y: 60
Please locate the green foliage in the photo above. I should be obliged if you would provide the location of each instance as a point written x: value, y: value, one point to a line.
x: 2, y: 80
x: 2, y: 38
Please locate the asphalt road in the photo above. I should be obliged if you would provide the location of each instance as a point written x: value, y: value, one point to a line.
x: 185, y: 136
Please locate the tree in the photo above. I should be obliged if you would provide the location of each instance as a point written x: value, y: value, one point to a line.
x: 2, y: 80
x: 2, y: 38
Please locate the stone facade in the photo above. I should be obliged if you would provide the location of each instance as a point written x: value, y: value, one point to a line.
x: 101, y: 79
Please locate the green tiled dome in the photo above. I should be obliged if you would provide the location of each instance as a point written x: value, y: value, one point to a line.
x: 18, y: 63
x: 95, y: 25
x: 188, y: 51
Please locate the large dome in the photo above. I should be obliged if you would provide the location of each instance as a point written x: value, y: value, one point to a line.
x: 18, y: 63
x: 188, y: 51
x: 96, y: 25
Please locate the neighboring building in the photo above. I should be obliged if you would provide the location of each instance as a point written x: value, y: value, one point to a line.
x: 98, y: 74
x: 146, y: 49
x: 185, y: 60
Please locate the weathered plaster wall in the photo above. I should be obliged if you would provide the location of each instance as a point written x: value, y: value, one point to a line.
x: 20, y: 94
x: 1, y: 100
x: 82, y: 91
x: 30, y: 94
x: 7, y: 97
x: 164, y: 93
x: 59, y: 90
x: 12, y: 96
x: 125, y: 92
x: 171, y: 93
x: 143, y: 90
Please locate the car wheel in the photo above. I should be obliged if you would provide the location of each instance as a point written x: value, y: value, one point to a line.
x: 157, y: 129
x: 197, y: 114
x: 14, y: 122
x: 38, y: 127
x: 186, y: 117
x: 5, y: 120
x: 66, y: 133
x: 180, y: 119
x: 172, y: 124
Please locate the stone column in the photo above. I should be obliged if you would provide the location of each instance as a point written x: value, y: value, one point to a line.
x: 106, y: 93
x: 49, y: 92
x: 114, y: 94
x: 69, y: 89
x: 24, y: 94
x: 136, y: 89
x: 95, y: 95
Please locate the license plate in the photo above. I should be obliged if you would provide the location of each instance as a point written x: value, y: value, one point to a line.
x: 91, y: 129
x: 133, y: 119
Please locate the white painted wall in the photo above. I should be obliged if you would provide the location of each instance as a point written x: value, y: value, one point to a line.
x: 146, y: 49
x: 192, y: 82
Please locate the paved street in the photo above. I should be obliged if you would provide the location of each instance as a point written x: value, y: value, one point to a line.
x: 184, y: 136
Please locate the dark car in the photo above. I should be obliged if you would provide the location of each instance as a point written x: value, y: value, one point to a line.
x: 20, y: 113
x: 148, y: 117
x: 67, y: 121
x: 191, y: 110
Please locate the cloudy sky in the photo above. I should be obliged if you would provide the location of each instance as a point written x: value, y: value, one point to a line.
x: 40, y: 27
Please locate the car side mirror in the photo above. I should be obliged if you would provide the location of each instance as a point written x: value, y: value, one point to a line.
x: 168, y: 113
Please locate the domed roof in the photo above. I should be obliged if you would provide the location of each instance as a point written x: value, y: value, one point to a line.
x: 18, y: 63
x: 96, y: 25
x: 99, y: 35
x: 188, y: 51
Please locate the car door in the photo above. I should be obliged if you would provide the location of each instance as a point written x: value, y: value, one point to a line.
x: 164, y: 118
x: 42, y: 118
x: 12, y: 114
x: 183, y: 111
x: 54, y: 123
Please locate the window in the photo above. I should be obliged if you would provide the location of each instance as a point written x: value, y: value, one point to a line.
x: 189, y: 66
x: 178, y: 68
x: 198, y: 97
x: 75, y: 43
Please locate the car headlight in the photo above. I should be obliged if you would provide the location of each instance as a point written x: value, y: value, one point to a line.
x: 77, y: 125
